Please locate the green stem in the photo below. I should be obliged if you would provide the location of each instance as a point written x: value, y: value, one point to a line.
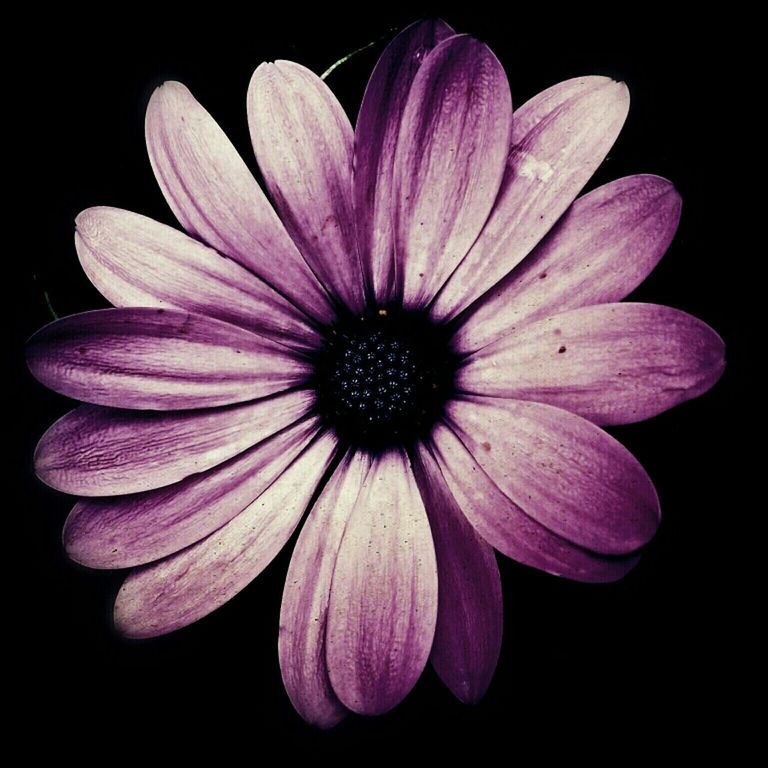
x: 47, y: 298
x: 48, y: 304
x: 346, y: 58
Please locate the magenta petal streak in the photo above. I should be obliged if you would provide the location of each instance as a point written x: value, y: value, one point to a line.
x: 602, y: 248
x: 138, y: 528
x: 470, y: 617
x: 449, y: 163
x: 508, y: 528
x: 376, y: 134
x: 95, y: 451
x: 612, y: 363
x: 162, y: 597
x: 562, y: 470
x: 383, y: 607
x: 159, y: 359
x: 137, y: 262
x: 216, y: 198
x: 303, y: 143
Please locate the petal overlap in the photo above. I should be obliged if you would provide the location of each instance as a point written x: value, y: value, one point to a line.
x: 137, y: 528
x: 376, y: 134
x: 569, y: 133
x: 303, y: 143
x: 383, y: 605
x: 563, y: 471
x: 449, y: 162
x: 470, y: 615
x: 96, y: 451
x: 137, y: 262
x: 215, y: 197
x: 172, y: 593
x: 304, y: 611
x: 602, y: 248
x: 506, y: 526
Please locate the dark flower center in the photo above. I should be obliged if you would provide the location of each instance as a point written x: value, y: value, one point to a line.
x: 383, y: 378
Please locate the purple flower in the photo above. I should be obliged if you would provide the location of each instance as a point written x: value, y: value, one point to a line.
x: 418, y: 344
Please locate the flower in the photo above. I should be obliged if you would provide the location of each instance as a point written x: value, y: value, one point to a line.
x: 421, y: 351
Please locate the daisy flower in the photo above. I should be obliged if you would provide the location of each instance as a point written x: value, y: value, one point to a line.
x: 416, y: 343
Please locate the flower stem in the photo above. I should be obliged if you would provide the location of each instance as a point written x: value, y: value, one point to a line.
x: 47, y: 298
x: 347, y: 57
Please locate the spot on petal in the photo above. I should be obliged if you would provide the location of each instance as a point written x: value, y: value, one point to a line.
x: 531, y: 168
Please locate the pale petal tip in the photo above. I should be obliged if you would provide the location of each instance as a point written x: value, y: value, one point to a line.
x: 613, y: 94
x: 83, y: 219
x: 127, y: 621
x: 623, y: 92
x: 88, y: 222
x: 166, y: 96
x: 264, y: 71
x: 170, y: 88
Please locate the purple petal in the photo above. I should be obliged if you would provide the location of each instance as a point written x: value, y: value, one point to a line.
x: 470, y: 610
x: 450, y: 161
x: 303, y: 144
x: 376, y: 132
x: 172, y: 593
x: 612, y: 363
x: 95, y: 451
x: 137, y: 262
x: 132, y: 530
x: 562, y: 470
x: 571, y: 132
x: 383, y: 607
x: 304, y: 612
x: 550, y: 99
x: 601, y: 249
x: 215, y: 197
x: 504, y: 525
x: 159, y: 359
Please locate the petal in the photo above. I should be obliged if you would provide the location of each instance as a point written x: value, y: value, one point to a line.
x: 172, y: 593
x: 545, y: 102
x: 383, y: 607
x: 159, y: 359
x: 137, y: 262
x: 571, y: 132
x: 612, y: 363
x: 601, y: 249
x: 95, y: 451
x: 303, y: 144
x: 470, y: 614
x: 132, y: 530
x: 215, y: 197
x: 562, y: 470
x: 376, y: 132
x: 304, y: 612
x: 504, y: 525
x: 450, y: 161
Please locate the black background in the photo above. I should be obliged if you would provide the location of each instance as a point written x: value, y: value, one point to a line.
x: 580, y: 664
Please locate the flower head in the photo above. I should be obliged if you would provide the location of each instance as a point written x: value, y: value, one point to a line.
x: 416, y: 343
